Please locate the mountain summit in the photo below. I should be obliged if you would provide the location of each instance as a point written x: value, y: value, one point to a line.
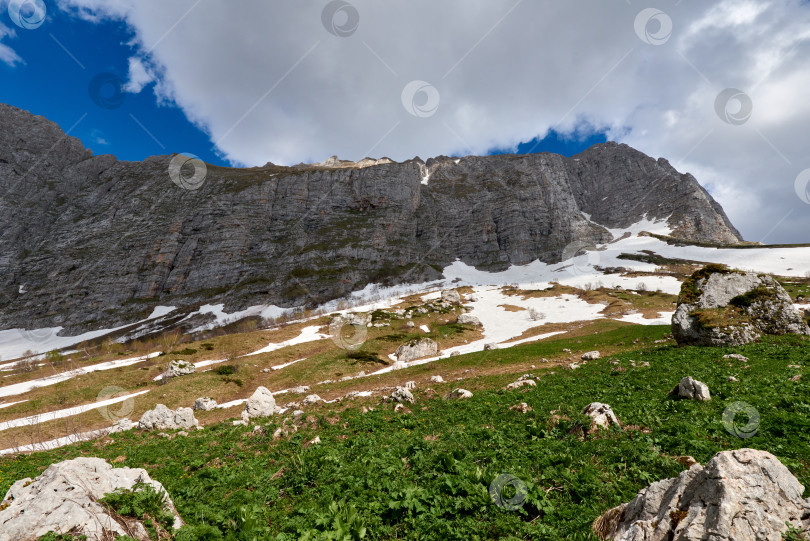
x: 89, y: 241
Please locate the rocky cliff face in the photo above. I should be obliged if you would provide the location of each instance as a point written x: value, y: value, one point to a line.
x: 89, y: 241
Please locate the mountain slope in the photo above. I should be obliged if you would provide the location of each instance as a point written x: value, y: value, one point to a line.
x: 88, y: 241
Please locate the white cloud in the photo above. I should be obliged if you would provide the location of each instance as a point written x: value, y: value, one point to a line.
x: 7, y: 54
x: 268, y: 82
x: 139, y: 75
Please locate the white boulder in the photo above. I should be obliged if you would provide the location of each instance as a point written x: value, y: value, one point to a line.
x: 741, y: 495
x: 204, y: 404
x: 416, y: 349
x: 692, y: 389
x: 162, y: 418
x: 467, y: 319
x: 179, y: 367
x: 64, y: 498
x: 601, y: 415
x: 260, y: 404
x: 460, y: 394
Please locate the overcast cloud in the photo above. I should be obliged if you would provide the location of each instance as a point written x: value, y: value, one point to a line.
x: 279, y: 81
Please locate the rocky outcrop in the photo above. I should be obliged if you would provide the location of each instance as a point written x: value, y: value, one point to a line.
x: 162, y: 418
x: 416, y: 349
x: 718, y: 306
x: 179, y: 367
x: 65, y: 499
x: 742, y: 495
x: 92, y: 242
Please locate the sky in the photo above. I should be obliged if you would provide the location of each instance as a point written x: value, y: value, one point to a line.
x: 717, y: 88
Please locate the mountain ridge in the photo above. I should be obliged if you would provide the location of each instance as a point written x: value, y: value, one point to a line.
x: 89, y: 241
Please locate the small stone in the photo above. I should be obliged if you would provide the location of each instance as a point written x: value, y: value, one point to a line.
x: 436, y: 379
x: 590, y: 356
x: 519, y: 384
x: 401, y: 394
x: 204, y: 404
x: 732, y: 379
x: 460, y: 394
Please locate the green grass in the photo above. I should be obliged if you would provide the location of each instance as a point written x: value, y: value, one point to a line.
x: 425, y: 475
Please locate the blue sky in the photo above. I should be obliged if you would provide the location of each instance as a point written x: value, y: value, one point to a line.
x: 61, y: 59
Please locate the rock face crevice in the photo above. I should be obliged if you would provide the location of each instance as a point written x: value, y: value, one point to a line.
x: 94, y: 242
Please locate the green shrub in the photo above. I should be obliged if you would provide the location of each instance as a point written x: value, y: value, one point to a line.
x: 226, y: 370
x: 144, y: 503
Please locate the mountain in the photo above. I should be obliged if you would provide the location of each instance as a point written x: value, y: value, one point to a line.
x: 89, y: 241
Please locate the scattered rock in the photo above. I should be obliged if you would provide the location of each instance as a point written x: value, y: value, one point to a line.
x: 736, y: 357
x: 401, y: 394
x: 410, y: 324
x: 718, y: 306
x: 301, y: 389
x: 692, y: 389
x: 566, y: 350
x: 177, y: 368
x: 794, y: 366
x: 454, y: 353
x: 572, y: 366
x: 520, y: 383
x: 410, y: 385
x: 162, y: 418
x: 400, y: 408
x: 489, y: 346
x: 601, y: 415
x: 204, y: 404
x: 260, y: 404
x: 65, y: 499
x: 732, y: 379
x: 312, y: 399
x: 451, y: 296
x: 467, y: 319
x: 315, y: 441
x: 523, y: 407
x: 740, y: 495
x: 460, y: 394
x: 266, y: 370
x: 796, y: 378
x: 416, y: 349
x: 590, y: 356
x: 436, y: 379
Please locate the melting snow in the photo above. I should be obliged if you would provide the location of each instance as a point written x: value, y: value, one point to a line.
x: 308, y: 334
x: 19, y: 388
x: 69, y: 412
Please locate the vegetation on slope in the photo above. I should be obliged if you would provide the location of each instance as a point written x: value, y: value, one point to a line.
x: 426, y: 474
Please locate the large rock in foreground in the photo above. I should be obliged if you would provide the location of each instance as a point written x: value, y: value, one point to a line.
x: 742, y: 495
x: 65, y: 499
x: 718, y: 306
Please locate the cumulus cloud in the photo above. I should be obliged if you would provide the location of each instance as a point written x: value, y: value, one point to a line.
x: 299, y: 81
